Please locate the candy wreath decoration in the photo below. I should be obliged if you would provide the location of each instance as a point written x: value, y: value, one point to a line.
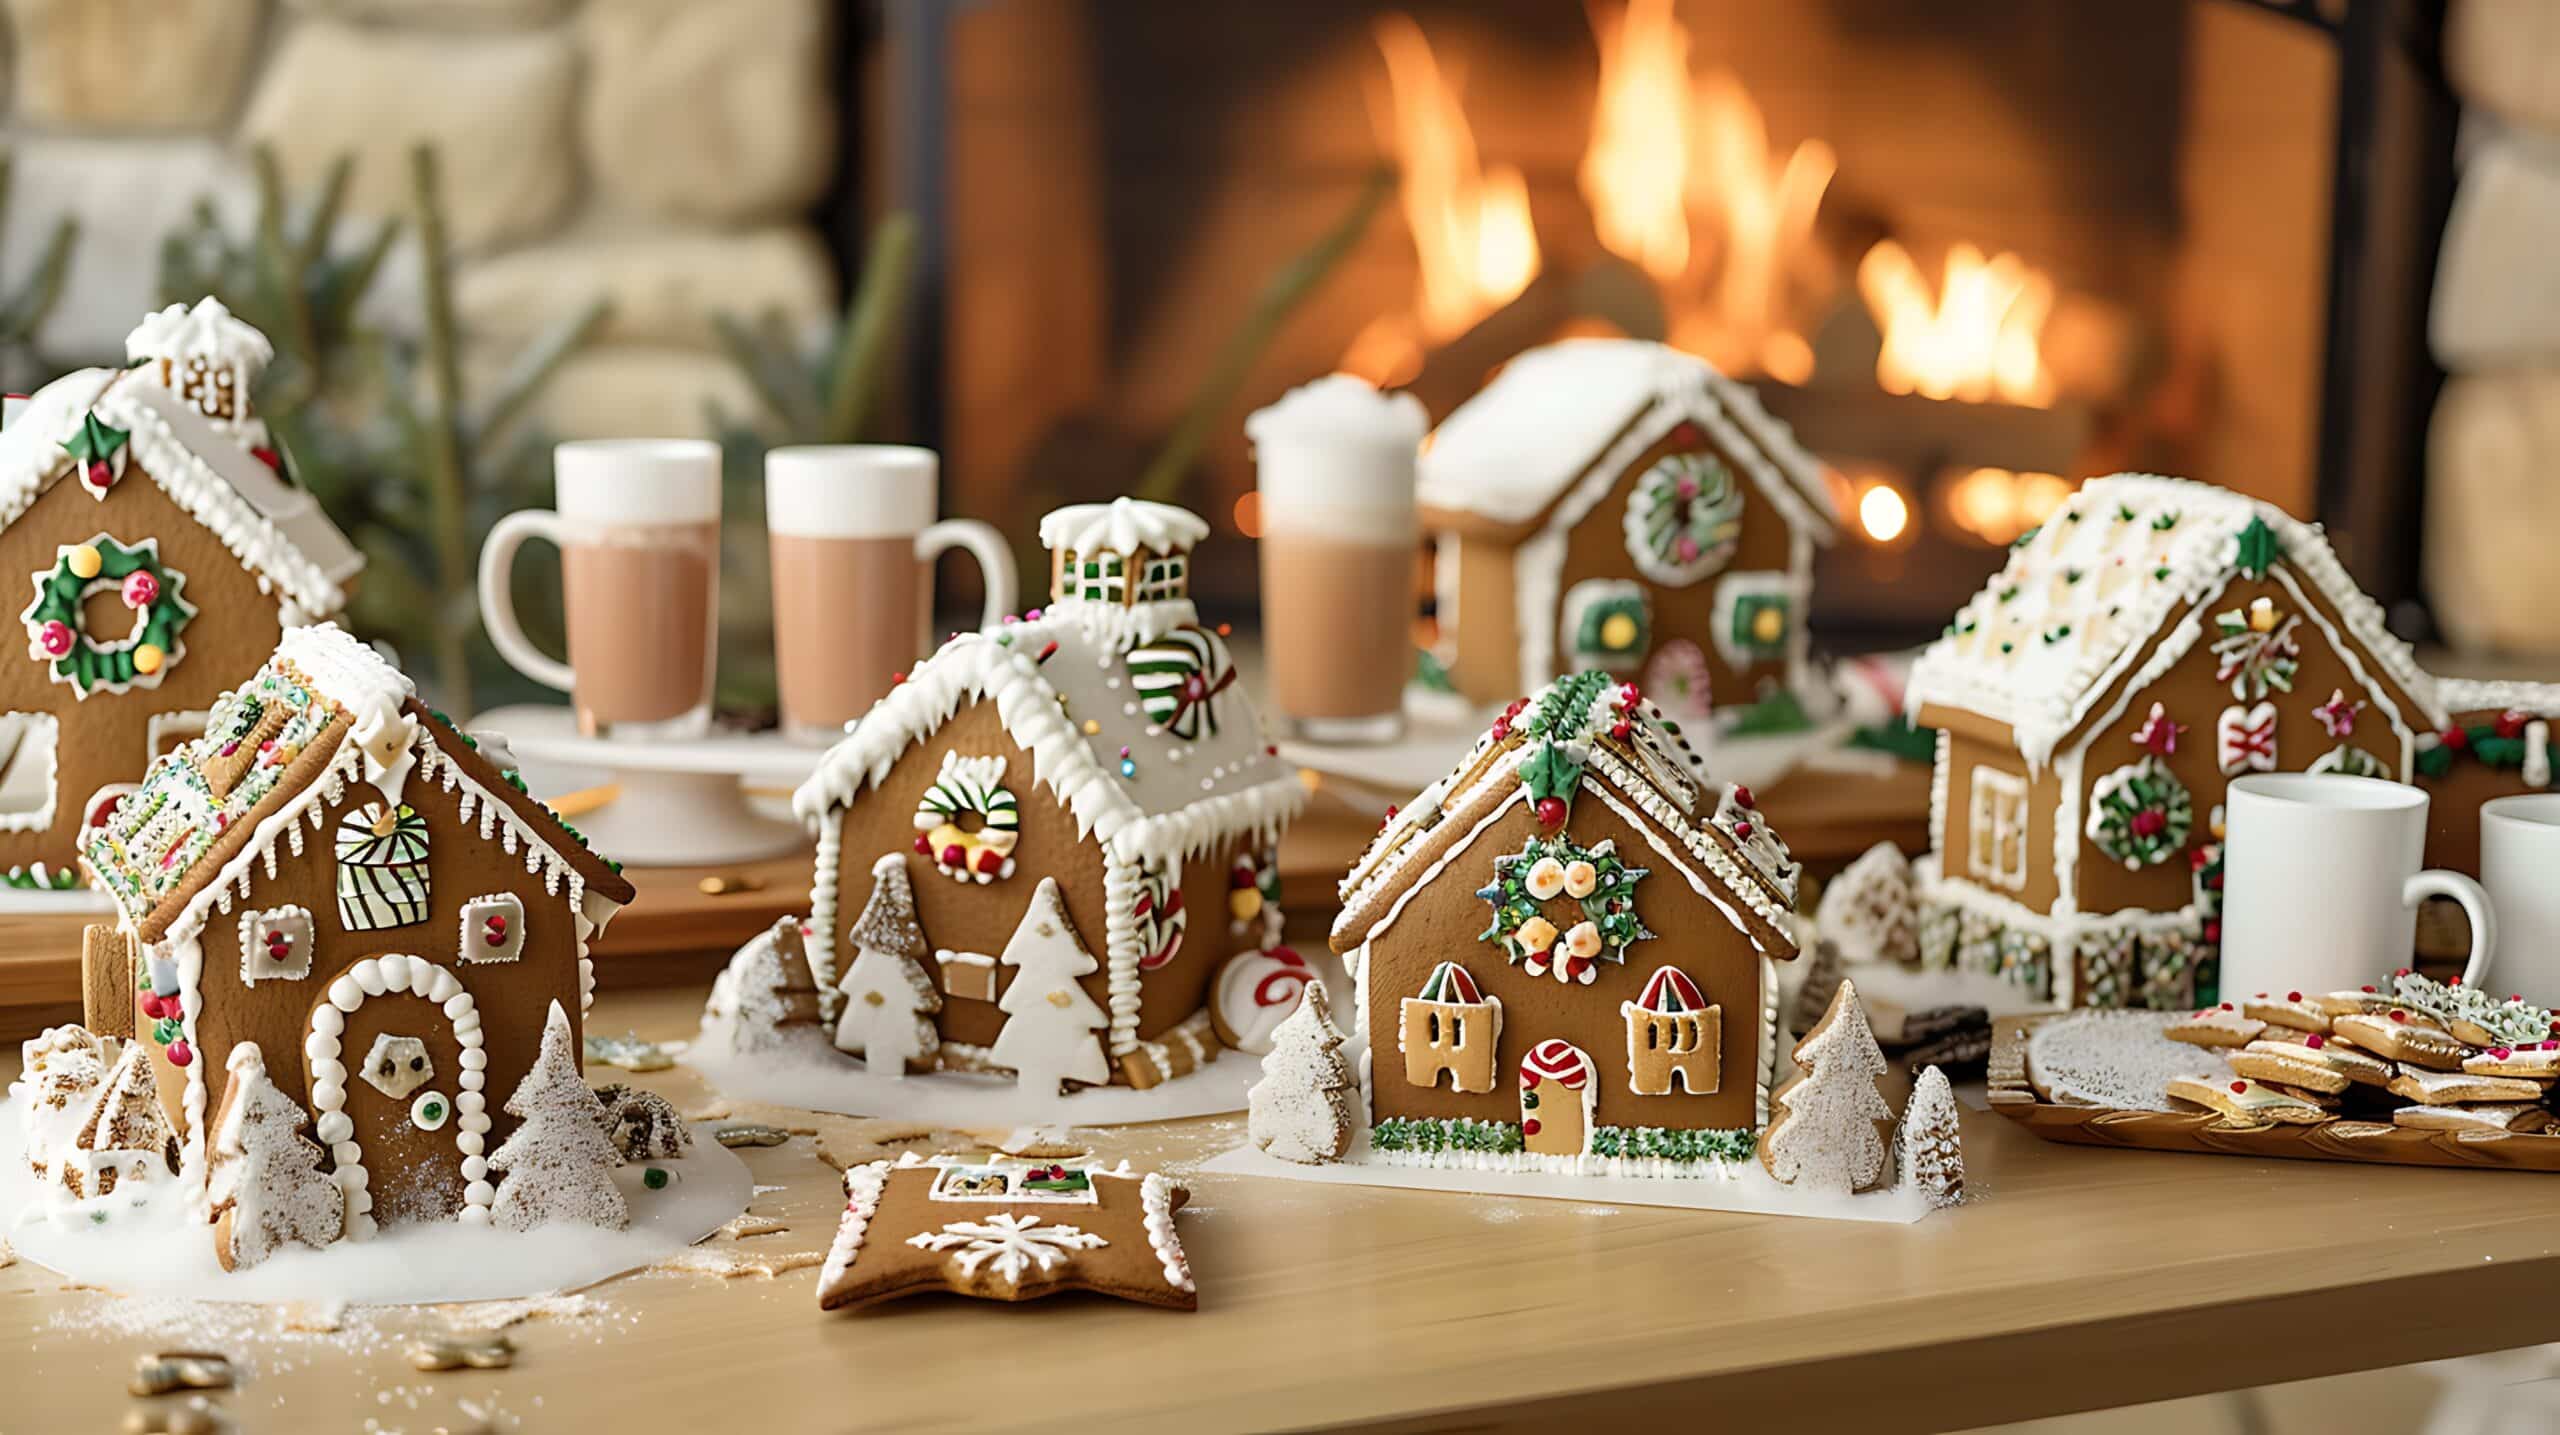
x: 57, y: 634
x: 1596, y: 879
x: 1685, y: 519
x: 2140, y: 814
x: 969, y: 785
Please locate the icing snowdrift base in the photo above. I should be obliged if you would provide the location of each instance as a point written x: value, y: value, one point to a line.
x: 161, y: 1249
x: 820, y: 1078
x: 1746, y: 1188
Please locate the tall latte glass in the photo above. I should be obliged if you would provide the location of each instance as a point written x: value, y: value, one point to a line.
x: 638, y: 528
x: 1334, y: 466
x: 854, y: 541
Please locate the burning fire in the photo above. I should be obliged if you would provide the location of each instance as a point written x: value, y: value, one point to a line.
x: 1471, y: 225
x: 1978, y: 338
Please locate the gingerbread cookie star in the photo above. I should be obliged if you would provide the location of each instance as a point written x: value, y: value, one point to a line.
x: 1006, y: 1230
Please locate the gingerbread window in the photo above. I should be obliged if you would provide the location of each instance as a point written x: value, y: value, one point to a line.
x: 970, y: 975
x: 493, y: 928
x: 382, y: 866
x: 1102, y: 578
x: 275, y: 945
x: 1166, y: 577
x: 1996, y: 836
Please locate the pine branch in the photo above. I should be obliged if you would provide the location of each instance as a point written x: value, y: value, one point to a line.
x: 533, y: 369
x: 440, y: 463
x: 776, y: 377
x: 1280, y: 297
x: 871, y: 326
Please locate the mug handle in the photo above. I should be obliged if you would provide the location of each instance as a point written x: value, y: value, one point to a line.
x: 2436, y: 882
x: 498, y: 604
x: 995, y: 560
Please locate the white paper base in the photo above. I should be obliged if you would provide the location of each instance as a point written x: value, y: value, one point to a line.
x: 166, y: 1250
x: 820, y: 1078
x: 53, y: 899
x: 1748, y: 1189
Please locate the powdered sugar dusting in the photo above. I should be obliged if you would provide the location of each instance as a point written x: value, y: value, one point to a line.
x: 2115, y: 1059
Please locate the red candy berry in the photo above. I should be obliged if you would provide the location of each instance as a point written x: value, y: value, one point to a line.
x: 2502, y: 1052
x: 1529, y: 1126
x: 151, y: 1005
x: 926, y: 847
x: 2398, y: 1015
x: 952, y: 856
x: 2293, y: 996
x: 181, y: 1054
x: 2240, y: 1087
x: 1742, y: 796
x: 2456, y: 739
x: 2315, y: 1041
x: 1551, y: 812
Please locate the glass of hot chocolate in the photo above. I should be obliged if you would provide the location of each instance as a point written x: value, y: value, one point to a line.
x: 854, y: 542
x: 1334, y: 467
x: 638, y: 528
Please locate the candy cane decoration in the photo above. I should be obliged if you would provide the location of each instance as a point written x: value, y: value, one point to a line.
x: 1179, y: 678
x: 2245, y: 739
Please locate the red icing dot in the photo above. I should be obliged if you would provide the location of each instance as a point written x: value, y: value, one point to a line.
x: 2398, y: 1015
x: 2365, y: 989
x: 2315, y: 1041
x: 2502, y: 1052
x: 2241, y: 1087
x: 952, y: 856
x: 2226, y: 1006
x: 1529, y: 1127
x: 2293, y: 996
x: 1742, y: 796
x: 923, y: 846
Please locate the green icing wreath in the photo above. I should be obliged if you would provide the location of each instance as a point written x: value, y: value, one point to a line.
x: 1608, y: 907
x: 1685, y: 519
x: 57, y: 634
x: 2140, y: 814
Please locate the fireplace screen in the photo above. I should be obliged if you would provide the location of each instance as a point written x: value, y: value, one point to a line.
x: 1970, y: 251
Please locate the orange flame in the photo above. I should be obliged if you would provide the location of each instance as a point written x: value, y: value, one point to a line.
x: 1471, y: 226
x: 1978, y: 338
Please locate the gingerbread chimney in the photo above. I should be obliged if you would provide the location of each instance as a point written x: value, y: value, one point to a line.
x: 207, y: 358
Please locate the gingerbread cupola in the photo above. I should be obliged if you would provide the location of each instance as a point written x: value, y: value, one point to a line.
x: 209, y: 359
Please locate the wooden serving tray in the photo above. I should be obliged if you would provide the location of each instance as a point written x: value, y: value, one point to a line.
x: 2367, y: 1142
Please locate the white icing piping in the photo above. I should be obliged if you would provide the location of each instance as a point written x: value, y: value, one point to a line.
x: 862, y: 1186
x: 378, y: 976
x: 1155, y: 1194
x: 1697, y: 883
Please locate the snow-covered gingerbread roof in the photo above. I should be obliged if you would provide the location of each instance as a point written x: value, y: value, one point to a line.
x: 276, y: 530
x: 1146, y: 768
x: 1124, y: 525
x: 2080, y: 600
x: 1553, y: 413
x: 1614, y: 748
x: 326, y: 713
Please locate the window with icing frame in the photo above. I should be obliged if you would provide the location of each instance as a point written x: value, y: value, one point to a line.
x: 1103, y: 578
x: 1996, y: 834
x: 29, y: 747
x: 1164, y: 578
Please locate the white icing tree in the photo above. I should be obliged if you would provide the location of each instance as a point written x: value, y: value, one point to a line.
x: 771, y: 990
x: 1932, y: 1144
x: 1828, y: 1133
x: 267, y: 1186
x: 559, y: 1163
x: 1301, y: 1109
x: 1867, y: 909
x: 127, y: 1134
x: 889, y: 997
x: 1052, y: 1029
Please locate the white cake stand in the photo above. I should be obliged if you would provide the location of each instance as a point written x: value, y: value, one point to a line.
x: 674, y: 804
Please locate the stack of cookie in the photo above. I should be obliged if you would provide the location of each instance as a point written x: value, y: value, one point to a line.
x: 2427, y: 1055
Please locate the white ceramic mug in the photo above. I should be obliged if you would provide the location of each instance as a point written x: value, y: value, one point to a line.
x: 854, y: 540
x: 2321, y: 884
x: 638, y: 528
x: 2520, y: 865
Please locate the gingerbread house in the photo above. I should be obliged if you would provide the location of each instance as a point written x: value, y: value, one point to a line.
x: 335, y: 875
x: 166, y: 550
x: 2152, y: 640
x: 1047, y: 843
x: 2496, y: 742
x: 1616, y: 504
x: 1565, y: 951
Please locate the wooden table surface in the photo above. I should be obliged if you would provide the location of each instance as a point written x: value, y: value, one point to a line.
x: 2075, y: 1279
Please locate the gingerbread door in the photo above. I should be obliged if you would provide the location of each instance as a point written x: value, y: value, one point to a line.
x: 1557, y: 1083
x: 391, y: 1094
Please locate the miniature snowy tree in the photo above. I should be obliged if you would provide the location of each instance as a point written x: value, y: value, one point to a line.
x: 772, y: 992
x: 1301, y: 1109
x: 127, y: 1136
x: 889, y: 997
x: 1828, y: 1133
x: 1868, y: 909
x: 267, y: 1186
x: 559, y: 1163
x: 1932, y: 1144
x: 1052, y: 1029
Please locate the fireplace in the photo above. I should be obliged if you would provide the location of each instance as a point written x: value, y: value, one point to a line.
x: 1972, y: 252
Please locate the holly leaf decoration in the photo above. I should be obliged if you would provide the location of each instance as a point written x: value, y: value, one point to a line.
x: 1551, y: 772
x: 96, y: 439
x: 2258, y: 548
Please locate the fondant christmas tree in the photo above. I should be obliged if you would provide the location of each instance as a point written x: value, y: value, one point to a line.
x: 1302, y: 1107
x: 889, y: 998
x: 1052, y: 1028
x: 1932, y: 1142
x: 267, y: 1186
x: 1828, y: 1131
x: 559, y: 1163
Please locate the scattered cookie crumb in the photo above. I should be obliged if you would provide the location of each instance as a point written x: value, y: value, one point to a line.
x: 734, y: 1134
x: 748, y: 1226
x: 486, y: 1350
x: 853, y: 1140
x: 175, y: 1370
x: 494, y: 1315
x: 629, y: 1053
x: 786, y: 1118
x: 729, y: 1263
x: 323, y: 1318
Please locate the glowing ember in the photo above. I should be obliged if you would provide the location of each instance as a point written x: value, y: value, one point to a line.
x: 1976, y: 339
x: 1471, y: 225
x: 1996, y: 505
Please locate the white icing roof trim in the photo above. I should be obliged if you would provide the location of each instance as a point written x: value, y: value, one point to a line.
x: 206, y: 329
x: 277, y: 531
x: 1512, y: 449
x: 1003, y: 666
x: 2044, y: 689
x: 1124, y: 525
x: 2464, y: 695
